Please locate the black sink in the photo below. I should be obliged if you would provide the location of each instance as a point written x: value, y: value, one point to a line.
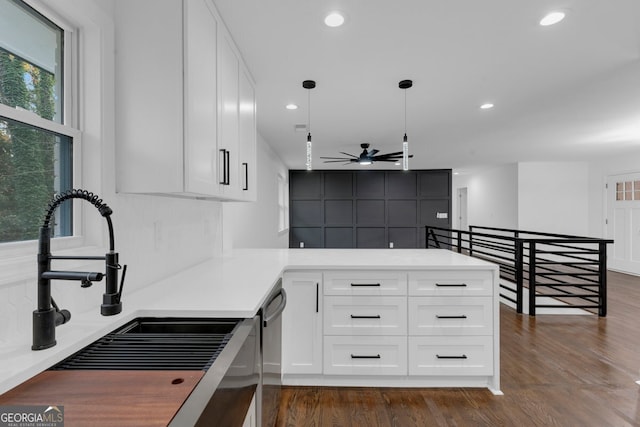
x: 149, y: 343
x: 156, y: 325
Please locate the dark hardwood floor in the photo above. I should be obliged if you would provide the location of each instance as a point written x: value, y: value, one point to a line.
x: 557, y: 370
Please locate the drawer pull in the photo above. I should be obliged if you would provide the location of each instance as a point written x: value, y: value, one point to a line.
x: 462, y: 316
x: 451, y: 357
x: 375, y: 316
x: 365, y: 284
x: 360, y: 356
x: 451, y: 285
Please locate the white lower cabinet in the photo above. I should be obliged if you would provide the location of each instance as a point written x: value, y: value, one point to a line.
x: 302, y: 323
x: 358, y: 355
x: 446, y: 316
x: 422, y: 328
x: 364, y: 315
x: 450, y: 356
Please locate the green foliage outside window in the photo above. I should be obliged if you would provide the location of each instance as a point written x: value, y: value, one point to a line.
x: 30, y: 157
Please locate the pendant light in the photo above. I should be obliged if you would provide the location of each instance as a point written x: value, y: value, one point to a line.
x: 309, y: 84
x: 405, y: 84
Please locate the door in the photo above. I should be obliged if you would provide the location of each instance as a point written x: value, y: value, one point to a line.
x: 623, y: 222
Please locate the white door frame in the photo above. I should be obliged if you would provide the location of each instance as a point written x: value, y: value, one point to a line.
x: 621, y: 227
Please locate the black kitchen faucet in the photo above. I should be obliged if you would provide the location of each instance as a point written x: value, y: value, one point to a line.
x: 48, y: 315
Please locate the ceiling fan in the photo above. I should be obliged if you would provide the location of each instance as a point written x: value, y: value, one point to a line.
x: 366, y: 157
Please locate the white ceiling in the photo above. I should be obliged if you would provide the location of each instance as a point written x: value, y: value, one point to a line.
x: 565, y: 92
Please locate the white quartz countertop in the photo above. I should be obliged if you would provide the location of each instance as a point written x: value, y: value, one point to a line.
x: 235, y: 285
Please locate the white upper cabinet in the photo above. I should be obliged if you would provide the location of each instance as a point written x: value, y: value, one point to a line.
x: 247, y: 138
x: 178, y: 103
x: 200, y: 99
x: 228, y: 81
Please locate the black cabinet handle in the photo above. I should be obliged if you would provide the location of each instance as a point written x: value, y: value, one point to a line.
x: 228, y: 168
x: 451, y: 285
x: 451, y: 357
x: 225, y: 166
x: 375, y: 316
x: 365, y: 284
x: 317, y: 296
x: 246, y: 176
x: 462, y: 316
x: 362, y: 356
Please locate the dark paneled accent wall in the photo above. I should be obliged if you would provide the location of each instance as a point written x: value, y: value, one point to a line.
x: 367, y: 209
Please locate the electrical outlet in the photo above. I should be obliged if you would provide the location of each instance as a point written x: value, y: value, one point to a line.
x: 302, y: 244
x: 390, y: 245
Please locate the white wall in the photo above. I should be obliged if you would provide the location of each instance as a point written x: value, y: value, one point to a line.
x: 492, y: 196
x: 255, y: 224
x: 553, y: 197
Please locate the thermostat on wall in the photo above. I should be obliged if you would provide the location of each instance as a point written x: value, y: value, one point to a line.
x: 442, y: 215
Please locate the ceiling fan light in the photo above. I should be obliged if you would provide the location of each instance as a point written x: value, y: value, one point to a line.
x: 364, y: 162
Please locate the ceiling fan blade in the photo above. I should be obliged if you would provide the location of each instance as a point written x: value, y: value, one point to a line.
x: 373, y: 152
x: 387, y: 160
x: 347, y: 154
x: 335, y: 158
x: 338, y: 161
x: 397, y: 153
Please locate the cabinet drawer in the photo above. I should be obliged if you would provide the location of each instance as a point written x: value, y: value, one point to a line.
x: 363, y: 315
x: 451, y: 283
x: 365, y: 355
x: 451, y: 356
x: 450, y: 316
x: 365, y: 283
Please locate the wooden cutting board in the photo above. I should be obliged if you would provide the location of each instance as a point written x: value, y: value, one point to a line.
x: 108, y: 398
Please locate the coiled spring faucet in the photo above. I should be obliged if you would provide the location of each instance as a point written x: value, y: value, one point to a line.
x: 48, y: 315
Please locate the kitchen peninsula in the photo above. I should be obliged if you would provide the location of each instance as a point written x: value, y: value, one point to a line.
x: 236, y: 285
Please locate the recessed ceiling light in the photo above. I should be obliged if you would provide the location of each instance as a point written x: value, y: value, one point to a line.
x: 486, y: 106
x: 334, y: 19
x: 291, y: 107
x: 552, y: 18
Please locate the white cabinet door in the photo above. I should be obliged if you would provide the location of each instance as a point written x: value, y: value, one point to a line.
x: 247, y: 138
x: 447, y: 316
x: 451, y: 356
x: 149, y: 90
x: 228, y: 81
x: 200, y: 118
x: 368, y: 282
x: 451, y: 283
x: 302, y: 323
x: 361, y: 355
x: 364, y: 315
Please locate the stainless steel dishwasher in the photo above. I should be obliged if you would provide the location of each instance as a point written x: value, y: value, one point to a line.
x: 271, y: 318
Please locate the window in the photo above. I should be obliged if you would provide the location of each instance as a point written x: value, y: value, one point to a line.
x: 36, y: 140
x: 628, y: 190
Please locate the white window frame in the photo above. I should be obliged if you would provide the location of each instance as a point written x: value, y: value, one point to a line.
x: 69, y: 128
